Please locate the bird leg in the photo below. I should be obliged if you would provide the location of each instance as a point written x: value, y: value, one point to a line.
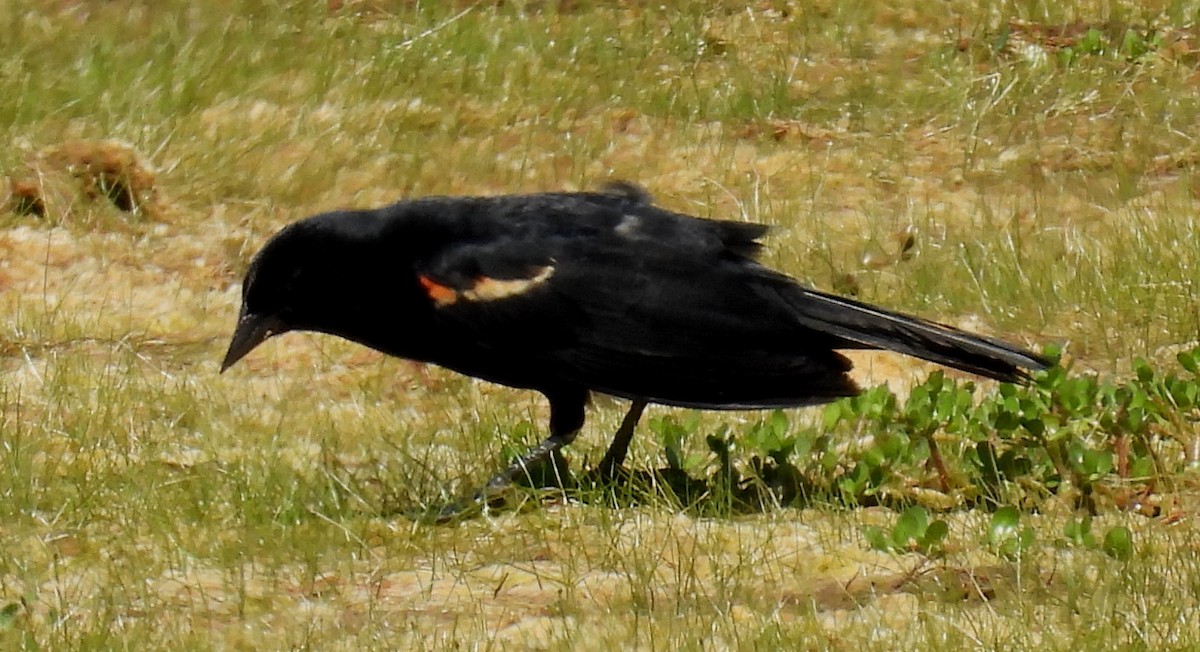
x: 615, y: 457
x: 566, y: 419
x: 547, y: 450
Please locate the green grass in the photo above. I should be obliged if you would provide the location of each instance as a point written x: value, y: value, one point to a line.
x: 147, y: 502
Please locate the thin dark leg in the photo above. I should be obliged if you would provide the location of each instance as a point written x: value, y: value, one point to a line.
x: 566, y: 418
x: 537, y: 455
x: 619, y: 447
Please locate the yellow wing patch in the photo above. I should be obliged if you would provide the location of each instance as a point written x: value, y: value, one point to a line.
x: 485, y: 288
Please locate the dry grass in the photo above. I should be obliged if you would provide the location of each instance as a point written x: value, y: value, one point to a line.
x: 149, y: 503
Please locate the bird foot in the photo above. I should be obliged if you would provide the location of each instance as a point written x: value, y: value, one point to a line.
x: 552, y: 473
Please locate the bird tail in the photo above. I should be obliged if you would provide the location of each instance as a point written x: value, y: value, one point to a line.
x: 870, y: 327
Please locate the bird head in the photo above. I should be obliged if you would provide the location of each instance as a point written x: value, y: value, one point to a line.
x: 294, y: 283
x: 252, y: 329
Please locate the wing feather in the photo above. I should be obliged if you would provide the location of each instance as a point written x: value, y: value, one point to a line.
x: 630, y: 317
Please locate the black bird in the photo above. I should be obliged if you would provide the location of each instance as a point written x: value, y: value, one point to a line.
x: 571, y: 293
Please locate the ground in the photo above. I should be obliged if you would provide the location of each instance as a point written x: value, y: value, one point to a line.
x: 1025, y: 170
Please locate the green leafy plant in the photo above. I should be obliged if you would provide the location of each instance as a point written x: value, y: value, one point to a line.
x: 913, y: 532
x: 1117, y: 541
x: 1077, y: 434
x: 1005, y: 535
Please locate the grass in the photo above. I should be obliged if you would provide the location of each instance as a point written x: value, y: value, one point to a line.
x: 148, y: 503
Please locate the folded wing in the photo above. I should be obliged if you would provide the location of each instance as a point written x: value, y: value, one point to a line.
x: 639, y: 309
x: 628, y: 299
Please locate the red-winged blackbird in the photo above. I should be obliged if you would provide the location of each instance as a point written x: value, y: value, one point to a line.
x: 570, y: 293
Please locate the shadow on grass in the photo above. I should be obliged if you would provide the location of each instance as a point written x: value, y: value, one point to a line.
x: 726, y: 492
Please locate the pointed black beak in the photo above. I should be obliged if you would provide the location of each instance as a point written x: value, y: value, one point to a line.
x: 251, y: 331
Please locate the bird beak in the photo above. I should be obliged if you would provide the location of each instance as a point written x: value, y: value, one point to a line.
x: 251, y: 331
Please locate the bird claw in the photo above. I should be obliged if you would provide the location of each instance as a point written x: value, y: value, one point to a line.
x: 456, y: 511
x: 554, y: 473
x: 460, y: 510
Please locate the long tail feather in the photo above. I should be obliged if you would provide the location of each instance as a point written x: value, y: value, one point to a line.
x: 871, y: 327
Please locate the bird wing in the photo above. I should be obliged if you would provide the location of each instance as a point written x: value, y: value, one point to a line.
x: 609, y: 292
x: 649, y: 306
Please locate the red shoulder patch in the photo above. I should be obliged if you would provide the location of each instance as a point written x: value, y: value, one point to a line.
x: 441, y: 295
x: 485, y: 288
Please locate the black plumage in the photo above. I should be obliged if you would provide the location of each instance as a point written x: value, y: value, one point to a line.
x: 569, y: 293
